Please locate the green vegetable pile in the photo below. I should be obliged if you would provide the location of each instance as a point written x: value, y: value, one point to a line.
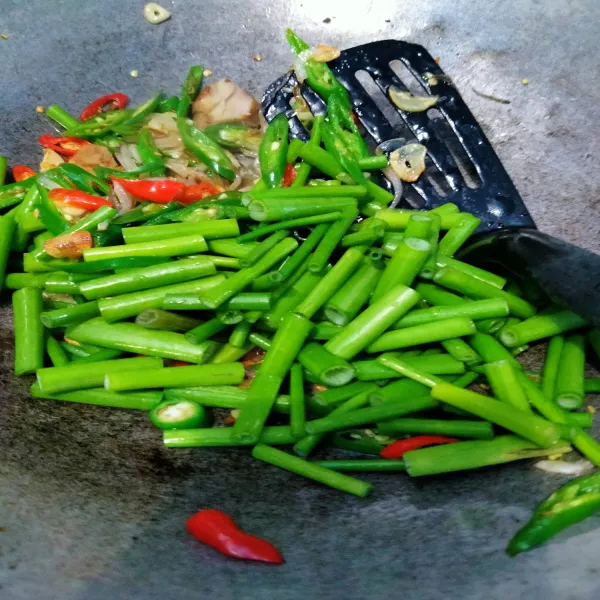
x: 371, y: 328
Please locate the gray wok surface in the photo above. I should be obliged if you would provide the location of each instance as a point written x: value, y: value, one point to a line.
x: 92, y: 507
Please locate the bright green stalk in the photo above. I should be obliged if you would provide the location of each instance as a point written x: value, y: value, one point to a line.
x: 301, y: 467
x: 463, y: 456
x: 538, y: 430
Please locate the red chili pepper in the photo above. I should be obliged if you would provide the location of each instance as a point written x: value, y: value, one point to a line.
x: 397, y: 449
x: 22, y: 172
x: 104, y: 104
x: 67, y: 146
x: 355, y: 117
x: 78, y: 198
x: 161, y: 191
x: 216, y: 529
x: 288, y: 175
x: 180, y: 363
x: 192, y: 193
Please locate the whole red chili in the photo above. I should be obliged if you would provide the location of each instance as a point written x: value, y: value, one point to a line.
x: 22, y: 172
x: 161, y: 191
x: 193, y: 193
x: 66, y: 146
x: 216, y: 529
x: 397, y: 449
x: 78, y: 198
x: 104, y: 104
x: 288, y: 175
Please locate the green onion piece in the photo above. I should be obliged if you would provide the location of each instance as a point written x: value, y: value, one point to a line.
x: 197, y: 375
x: 423, y: 334
x: 541, y: 326
x: 404, y: 266
x: 463, y: 456
x: 146, y: 400
x: 285, y: 347
x: 369, y: 325
x: 479, y: 290
x: 503, y: 378
x: 28, y: 330
x: 568, y: 390
x: 54, y: 380
x: 331, y: 282
x: 297, y: 404
x: 156, y: 318
x: 381, y: 464
x: 310, y: 470
x: 465, y: 429
x: 223, y: 436
x: 133, y: 338
x: 538, y: 430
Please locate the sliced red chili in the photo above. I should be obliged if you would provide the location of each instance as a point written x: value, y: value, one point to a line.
x: 78, y: 198
x: 22, y: 172
x: 104, y: 104
x: 218, y: 530
x: 180, y: 363
x: 161, y: 191
x: 193, y: 193
x: 66, y: 146
x: 289, y: 175
x: 397, y: 449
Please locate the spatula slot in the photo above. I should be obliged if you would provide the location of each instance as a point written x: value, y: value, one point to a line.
x: 383, y: 104
x: 446, y: 134
x: 411, y: 81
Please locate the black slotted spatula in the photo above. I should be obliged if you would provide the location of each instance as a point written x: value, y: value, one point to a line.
x: 461, y: 167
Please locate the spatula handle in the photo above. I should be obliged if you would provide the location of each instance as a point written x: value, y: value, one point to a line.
x: 568, y: 275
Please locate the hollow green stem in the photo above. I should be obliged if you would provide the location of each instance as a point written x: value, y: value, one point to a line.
x: 538, y: 430
x: 201, y: 375
x: 146, y: 400
x: 568, y: 390
x: 463, y: 456
x: 55, y: 380
x: 312, y: 471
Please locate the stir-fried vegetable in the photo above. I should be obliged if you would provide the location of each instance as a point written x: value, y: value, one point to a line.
x: 183, y: 230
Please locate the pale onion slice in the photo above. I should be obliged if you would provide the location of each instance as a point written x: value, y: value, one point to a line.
x: 408, y: 162
x: 46, y: 182
x: 397, y: 186
x: 125, y: 157
x: 155, y: 14
x: 135, y: 153
x: 409, y: 102
x: 122, y: 200
x: 180, y: 167
x: 563, y: 467
x: 69, y: 246
x: 163, y: 123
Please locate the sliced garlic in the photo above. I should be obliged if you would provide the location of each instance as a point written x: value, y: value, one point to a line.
x: 323, y: 53
x: 408, y: 162
x: 409, y: 102
x: 69, y: 246
x: 154, y: 13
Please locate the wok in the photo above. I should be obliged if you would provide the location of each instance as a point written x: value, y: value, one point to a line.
x: 92, y: 506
